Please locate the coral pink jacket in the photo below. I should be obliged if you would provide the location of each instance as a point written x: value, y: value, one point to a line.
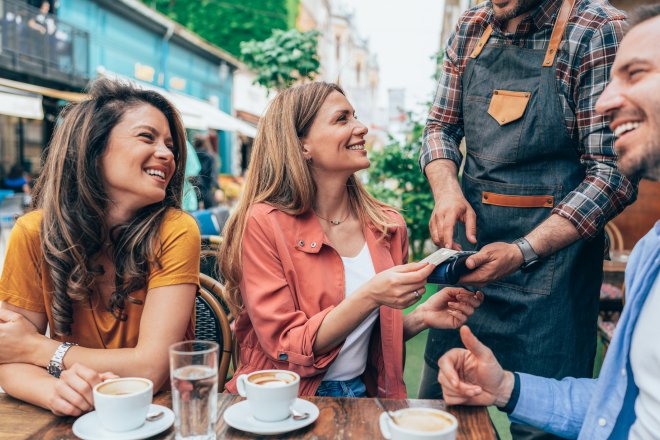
x: 292, y: 278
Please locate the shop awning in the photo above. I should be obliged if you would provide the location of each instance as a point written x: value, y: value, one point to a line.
x: 22, y: 105
x: 45, y: 91
x: 246, y: 129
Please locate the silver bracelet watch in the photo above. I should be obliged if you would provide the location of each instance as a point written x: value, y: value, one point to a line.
x: 55, y: 366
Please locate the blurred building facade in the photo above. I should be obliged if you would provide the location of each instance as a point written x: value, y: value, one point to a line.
x: 116, y: 38
x: 43, y: 63
x: 344, y: 54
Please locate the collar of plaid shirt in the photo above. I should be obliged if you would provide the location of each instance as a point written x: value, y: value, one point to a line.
x: 541, y: 17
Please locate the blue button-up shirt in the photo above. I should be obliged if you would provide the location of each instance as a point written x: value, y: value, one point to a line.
x: 597, y: 408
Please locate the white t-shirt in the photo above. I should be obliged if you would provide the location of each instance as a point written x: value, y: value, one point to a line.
x: 352, y: 358
x: 645, y: 364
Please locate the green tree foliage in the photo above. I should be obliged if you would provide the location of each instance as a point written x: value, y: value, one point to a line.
x: 394, y: 177
x: 284, y: 58
x: 226, y: 23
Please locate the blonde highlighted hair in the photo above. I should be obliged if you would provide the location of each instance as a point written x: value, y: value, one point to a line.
x: 280, y: 176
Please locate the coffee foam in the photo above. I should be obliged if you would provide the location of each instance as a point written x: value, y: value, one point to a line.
x: 123, y: 387
x: 423, y: 421
x: 271, y: 379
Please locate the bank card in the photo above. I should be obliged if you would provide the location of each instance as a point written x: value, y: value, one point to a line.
x: 439, y: 256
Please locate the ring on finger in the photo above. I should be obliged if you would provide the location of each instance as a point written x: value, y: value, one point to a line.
x: 417, y: 295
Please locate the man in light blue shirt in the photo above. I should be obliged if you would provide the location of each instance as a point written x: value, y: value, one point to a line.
x: 624, y: 402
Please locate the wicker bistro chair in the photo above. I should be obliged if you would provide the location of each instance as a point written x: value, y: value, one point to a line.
x: 209, y: 256
x: 213, y: 323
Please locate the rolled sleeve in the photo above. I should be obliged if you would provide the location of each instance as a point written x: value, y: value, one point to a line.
x: 285, y: 333
x: 604, y: 192
x: 21, y: 282
x: 179, y: 253
x: 444, y: 126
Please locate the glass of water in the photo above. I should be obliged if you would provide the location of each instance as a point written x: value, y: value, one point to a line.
x: 194, y: 377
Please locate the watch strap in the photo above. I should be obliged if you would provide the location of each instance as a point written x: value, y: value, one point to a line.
x: 55, y: 366
x: 529, y: 255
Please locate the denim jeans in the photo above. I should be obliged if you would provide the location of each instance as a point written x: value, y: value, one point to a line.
x: 342, y: 388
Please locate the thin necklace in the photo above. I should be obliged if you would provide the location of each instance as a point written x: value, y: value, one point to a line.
x: 334, y: 222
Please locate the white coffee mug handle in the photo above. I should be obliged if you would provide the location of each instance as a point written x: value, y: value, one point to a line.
x: 240, y: 384
x: 384, y: 422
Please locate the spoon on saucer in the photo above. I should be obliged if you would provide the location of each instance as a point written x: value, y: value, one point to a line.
x: 152, y: 417
x: 296, y: 415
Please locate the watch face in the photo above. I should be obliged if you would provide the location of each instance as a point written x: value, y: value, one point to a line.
x: 54, y: 370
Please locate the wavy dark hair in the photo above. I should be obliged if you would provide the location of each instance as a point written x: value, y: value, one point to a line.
x: 71, y: 195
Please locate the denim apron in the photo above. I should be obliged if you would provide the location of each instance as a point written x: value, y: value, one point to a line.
x: 520, y: 163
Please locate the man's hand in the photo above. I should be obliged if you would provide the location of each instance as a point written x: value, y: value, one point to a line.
x: 493, y: 262
x: 472, y: 376
x: 450, y: 205
x: 447, y: 211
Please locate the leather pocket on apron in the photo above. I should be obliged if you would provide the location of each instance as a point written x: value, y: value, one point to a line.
x: 507, y: 211
x: 515, y: 201
x: 507, y: 106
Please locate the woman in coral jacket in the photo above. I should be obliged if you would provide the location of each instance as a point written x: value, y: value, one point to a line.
x: 315, y: 267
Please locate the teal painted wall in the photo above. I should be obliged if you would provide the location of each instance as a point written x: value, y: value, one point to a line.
x: 118, y: 44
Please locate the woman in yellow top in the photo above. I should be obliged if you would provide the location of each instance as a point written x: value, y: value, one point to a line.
x: 107, y: 259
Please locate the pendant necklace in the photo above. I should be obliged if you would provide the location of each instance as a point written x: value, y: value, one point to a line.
x: 337, y: 221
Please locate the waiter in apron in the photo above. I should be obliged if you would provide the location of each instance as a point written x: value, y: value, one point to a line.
x: 520, y: 81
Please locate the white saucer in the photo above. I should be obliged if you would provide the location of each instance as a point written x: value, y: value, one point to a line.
x: 240, y: 417
x: 88, y: 427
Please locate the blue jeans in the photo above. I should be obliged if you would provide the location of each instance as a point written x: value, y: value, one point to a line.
x: 342, y: 388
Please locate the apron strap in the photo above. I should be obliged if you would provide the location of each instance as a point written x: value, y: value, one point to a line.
x: 482, y: 42
x: 558, y: 32
x: 555, y: 39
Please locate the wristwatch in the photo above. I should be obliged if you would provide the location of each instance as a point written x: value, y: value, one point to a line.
x: 531, y: 260
x: 55, y: 366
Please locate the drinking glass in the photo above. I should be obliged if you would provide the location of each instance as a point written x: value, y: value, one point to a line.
x: 194, y: 377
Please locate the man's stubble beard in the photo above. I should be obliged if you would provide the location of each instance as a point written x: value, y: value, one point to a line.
x: 652, y: 169
x: 521, y: 7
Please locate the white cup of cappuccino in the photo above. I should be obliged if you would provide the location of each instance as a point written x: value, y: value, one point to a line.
x: 418, y: 424
x: 270, y: 393
x: 122, y: 404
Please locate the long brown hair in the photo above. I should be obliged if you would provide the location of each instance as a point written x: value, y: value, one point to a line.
x: 280, y: 176
x: 71, y: 195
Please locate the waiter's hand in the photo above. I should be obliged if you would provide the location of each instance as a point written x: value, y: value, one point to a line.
x: 493, y: 262
x: 449, y: 209
x: 450, y: 205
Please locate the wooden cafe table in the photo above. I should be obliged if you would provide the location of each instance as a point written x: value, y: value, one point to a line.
x: 339, y: 419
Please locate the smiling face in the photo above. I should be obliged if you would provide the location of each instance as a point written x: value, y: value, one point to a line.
x: 335, y: 141
x: 138, y: 162
x: 632, y: 101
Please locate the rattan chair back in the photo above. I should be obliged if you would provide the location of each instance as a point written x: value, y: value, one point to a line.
x: 213, y: 323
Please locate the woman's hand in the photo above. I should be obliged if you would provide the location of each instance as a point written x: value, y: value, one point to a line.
x: 72, y: 394
x: 400, y: 286
x: 16, y: 332
x: 449, y: 308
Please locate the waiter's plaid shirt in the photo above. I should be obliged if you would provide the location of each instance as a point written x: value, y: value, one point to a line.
x: 584, y: 59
